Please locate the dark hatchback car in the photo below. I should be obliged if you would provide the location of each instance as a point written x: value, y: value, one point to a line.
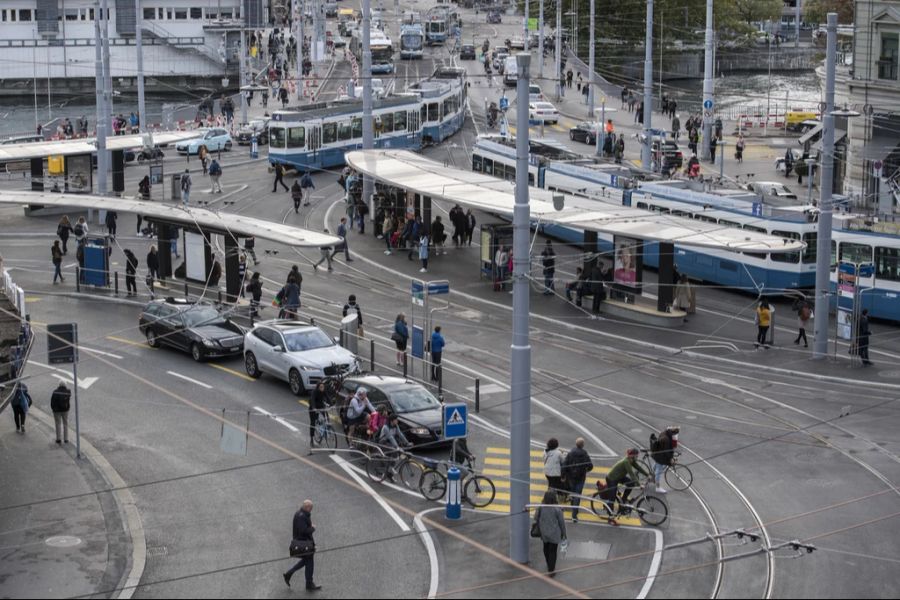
x: 467, y: 52
x: 199, y: 329
x: 418, y: 410
x: 584, y: 132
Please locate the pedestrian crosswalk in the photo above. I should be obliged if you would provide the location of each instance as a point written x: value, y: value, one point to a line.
x: 496, y: 466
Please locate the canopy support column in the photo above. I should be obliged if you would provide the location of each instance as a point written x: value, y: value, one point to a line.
x: 666, y: 283
x: 233, y: 281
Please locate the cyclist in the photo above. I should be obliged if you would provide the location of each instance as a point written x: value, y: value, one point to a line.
x: 623, y: 472
x: 377, y: 420
x: 318, y: 404
x: 662, y: 450
x: 390, y: 434
x: 357, y: 410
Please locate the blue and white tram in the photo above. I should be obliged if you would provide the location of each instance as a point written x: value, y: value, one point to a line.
x: 443, y: 97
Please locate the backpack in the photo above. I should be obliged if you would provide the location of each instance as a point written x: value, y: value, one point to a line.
x: 78, y: 229
x: 654, y: 443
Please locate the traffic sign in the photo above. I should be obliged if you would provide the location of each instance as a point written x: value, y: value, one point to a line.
x: 455, y: 420
x: 532, y: 24
x: 707, y: 104
x: 438, y: 287
x: 62, y: 343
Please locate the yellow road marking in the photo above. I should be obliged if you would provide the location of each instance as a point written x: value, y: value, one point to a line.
x: 129, y: 342
x: 32, y: 298
x: 496, y: 450
x: 231, y: 371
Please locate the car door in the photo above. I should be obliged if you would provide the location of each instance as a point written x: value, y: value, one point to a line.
x: 262, y: 348
x: 281, y: 360
x: 171, y: 330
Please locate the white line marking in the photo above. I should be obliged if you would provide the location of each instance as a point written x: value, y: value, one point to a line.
x: 186, y: 378
x: 654, y: 565
x: 66, y: 376
x: 93, y: 351
x: 276, y: 418
x: 364, y: 485
x: 579, y: 401
x: 432, y: 552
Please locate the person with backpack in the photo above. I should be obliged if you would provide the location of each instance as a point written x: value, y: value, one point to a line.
x: 131, y: 263
x: 575, y: 468
x: 56, y: 255
x: 307, y: 186
x: 215, y: 172
x: 254, y: 288
x: 296, y: 195
x: 21, y: 402
x: 63, y: 229
x: 59, y: 404
x: 186, y: 184
x: 352, y: 305
x: 80, y: 230
x: 662, y: 451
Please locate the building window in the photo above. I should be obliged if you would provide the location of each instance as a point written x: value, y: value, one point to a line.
x: 887, y: 62
x: 3, y: 16
x: 196, y: 13
x: 25, y: 14
x: 72, y: 14
x: 150, y: 14
x: 181, y: 15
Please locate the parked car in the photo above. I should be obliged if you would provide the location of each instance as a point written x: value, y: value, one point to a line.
x: 258, y: 127
x: 200, y: 329
x: 585, y: 132
x: 418, y: 411
x: 214, y: 139
x: 534, y: 93
x: 467, y: 52
x: 516, y: 44
x: 297, y: 352
x: 339, y: 41
x: 543, y: 112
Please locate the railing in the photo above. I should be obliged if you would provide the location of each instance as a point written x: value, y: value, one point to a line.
x: 13, y: 297
x: 887, y: 69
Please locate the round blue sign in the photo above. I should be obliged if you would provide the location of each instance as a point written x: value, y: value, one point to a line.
x: 707, y: 104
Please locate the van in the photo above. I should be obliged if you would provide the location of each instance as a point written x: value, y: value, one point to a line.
x: 510, y: 71
x: 534, y: 93
x: 795, y: 118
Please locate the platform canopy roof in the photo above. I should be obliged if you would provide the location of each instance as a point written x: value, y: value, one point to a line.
x: 418, y: 174
x: 11, y: 152
x: 202, y: 219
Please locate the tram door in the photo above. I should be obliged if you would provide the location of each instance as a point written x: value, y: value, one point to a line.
x: 315, y: 142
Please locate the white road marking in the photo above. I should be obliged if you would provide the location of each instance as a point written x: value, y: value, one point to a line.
x: 654, y: 565
x: 365, y: 486
x: 276, y: 418
x: 93, y: 351
x: 66, y: 376
x: 186, y: 378
x: 579, y: 401
x: 491, y: 388
x: 432, y: 552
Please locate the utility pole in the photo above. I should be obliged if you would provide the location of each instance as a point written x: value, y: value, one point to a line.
x: 107, y: 75
x: 299, y: 36
x: 525, y: 27
x: 648, y: 87
x: 540, y: 42
x: 797, y: 24
x: 242, y: 55
x: 590, y: 78
x: 559, y: 87
x: 101, y: 119
x: 138, y: 45
x: 823, y: 240
x: 520, y: 373
x: 368, y: 129
x: 708, y: 84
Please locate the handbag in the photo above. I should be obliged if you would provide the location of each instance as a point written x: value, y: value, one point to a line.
x: 535, y: 530
x: 300, y: 548
x: 396, y: 337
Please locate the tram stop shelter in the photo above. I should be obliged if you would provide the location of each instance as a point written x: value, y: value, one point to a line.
x: 198, y: 225
x: 631, y: 228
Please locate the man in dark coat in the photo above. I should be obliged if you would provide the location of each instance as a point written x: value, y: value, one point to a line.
x: 303, y: 532
x: 575, y: 468
x: 862, y: 340
x: 59, y: 404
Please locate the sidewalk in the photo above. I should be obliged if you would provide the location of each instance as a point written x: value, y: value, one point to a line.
x: 59, y: 538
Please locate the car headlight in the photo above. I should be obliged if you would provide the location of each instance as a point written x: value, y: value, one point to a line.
x: 419, y: 431
x: 210, y: 343
x: 307, y: 368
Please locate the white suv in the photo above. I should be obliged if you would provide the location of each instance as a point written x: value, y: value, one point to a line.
x: 296, y: 352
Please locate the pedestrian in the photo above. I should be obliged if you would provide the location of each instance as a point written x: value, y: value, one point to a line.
x: 186, y: 184
x: 56, y: 255
x: 362, y: 209
x: 242, y: 272
x: 596, y: 285
x: 144, y: 191
x: 458, y: 220
x: 254, y: 288
x: 111, y: 227
x: 387, y: 231
x: 676, y: 127
x: 586, y: 91
x: 662, y: 451
x: 624, y: 96
x: 63, y: 229
x: 437, y: 351
x: 423, y: 253
x: 131, y: 263
x: 203, y: 154
x: 862, y: 337
x: 553, y: 459
x: 501, y: 258
x: 152, y: 265
x: 307, y: 185
x: 712, y: 149
x: 569, y: 76
x: 579, y: 83
x: 415, y: 230
x: 352, y: 305
x: 215, y: 173
x: 342, y: 233
x: 21, y: 402
x: 59, y: 404
x: 438, y: 237
x: 303, y: 546
x: 548, y: 262
x: 283, y: 94
x: 739, y: 148
x: 279, y: 178
x: 215, y: 273
x: 80, y: 230
x: 673, y: 106
x: 290, y: 298
x: 575, y: 468
x: 265, y: 97
x: 576, y: 286
x: 296, y: 195
x: 551, y: 528
x: 804, y: 313
x: 788, y: 162
x: 317, y: 408
x: 470, y: 226
x: 683, y: 293
x: 400, y: 337
x: 763, y: 320
x: 327, y: 252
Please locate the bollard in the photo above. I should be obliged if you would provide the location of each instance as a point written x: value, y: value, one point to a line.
x: 454, y: 495
x: 77, y: 279
x: 372, y: 355
x: 405, y: 364
x: 116, y: 283
x: 219, y: 296
x: 440, y: 378
x: 186, y: 290
x: 477, y: 394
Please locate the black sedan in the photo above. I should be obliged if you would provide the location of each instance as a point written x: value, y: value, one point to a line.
x: 584, y: 132
x: 199, y: 329
x: 258, y: 127
x: 418, y: 410
x: 467, y: 52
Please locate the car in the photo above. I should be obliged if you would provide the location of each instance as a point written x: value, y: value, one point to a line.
x: 339, y: 41
x: 258, y: 127
x: 200, y: 329
x: 500, y: 56
x: 585, y: 132
x: 331, y: 9
x: 467, y: 52
x: 543, y: 112
x: 534, y: 93
x: 771, y: 188
x: 516, y: 44
x: 663, y: 152
x: 214, y: 139
x: 418, y: 411
x: 493, y: 17
x: 296, y: 352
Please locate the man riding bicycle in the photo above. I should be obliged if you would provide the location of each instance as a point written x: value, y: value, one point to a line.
x: 357, y: 410
x: 623, y: 472
x: 391, y: 436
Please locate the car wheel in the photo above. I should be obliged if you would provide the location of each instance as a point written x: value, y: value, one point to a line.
x: 196, y: 352
x: 251, y: 366
x: 296, y: 382
x: 227, y: 146
x: 589, y: 140
x: 152, y: 340
x: 572, y: 135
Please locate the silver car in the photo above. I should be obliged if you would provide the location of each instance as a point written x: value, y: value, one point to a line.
x: 296, y: 352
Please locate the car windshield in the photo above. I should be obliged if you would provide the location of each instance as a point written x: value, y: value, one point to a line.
x: 544, y: 105
x: 198, y: 316
x: 300, y: 341
x: 413, y: 399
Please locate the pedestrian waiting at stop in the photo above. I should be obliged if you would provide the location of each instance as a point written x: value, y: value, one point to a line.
x: 400, y: 337
x: 437, y: 351
x: 576, y: 287
x: 763, y: 320
x: 254, y: 288
x: 59, y: 404
x: 553, y: 459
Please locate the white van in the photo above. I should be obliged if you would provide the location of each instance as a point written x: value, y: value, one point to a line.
x: 510, y: 71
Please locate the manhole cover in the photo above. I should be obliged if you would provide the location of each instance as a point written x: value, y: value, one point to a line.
x: 62, y: 541
x: 889, y: 374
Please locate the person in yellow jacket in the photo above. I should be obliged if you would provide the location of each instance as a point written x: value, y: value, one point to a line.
x: 763, y: 320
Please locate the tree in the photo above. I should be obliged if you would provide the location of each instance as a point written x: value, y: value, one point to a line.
x: 743, y: 14
x: 814, y: 11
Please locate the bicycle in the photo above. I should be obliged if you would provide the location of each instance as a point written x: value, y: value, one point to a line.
x: 325, y: 436
x: 380, y: 467
x: 477, y: 490
x: 678, y: 477
x: 652, y: 510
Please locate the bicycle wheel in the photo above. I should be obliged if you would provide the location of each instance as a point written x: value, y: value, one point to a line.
x: 652, y: 510
x: 679, y: 477
x: 479, y: 491
x: 326, y: 437
x: 433, y: 485
x: 378, y: 467
x: 410, y: 473
x: 601, y: 507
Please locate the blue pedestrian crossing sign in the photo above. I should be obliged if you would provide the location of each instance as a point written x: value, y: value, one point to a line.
x: 455, y: 420
x: 707, y: 104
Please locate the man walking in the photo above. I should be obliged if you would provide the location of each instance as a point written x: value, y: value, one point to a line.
x: 59, y: 404
x: 279, y: 178
x: 186, y: 184
x: 862, y: 340
x: 296, y: 195
x: 307, y: 185
x: 437, y: 349
x: 111, y: 224
x: 326, y: 256
x: 575, y: 468
x: 215, y: 172
x: 56, y: 255
x: 548, y: 261
x: 305, y: 546
x: 342, y: 233
x: 131, y: 263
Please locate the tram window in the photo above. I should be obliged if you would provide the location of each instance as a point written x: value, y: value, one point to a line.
x: 329, y: 133
x: 276, y: 137
x: 296, y: 137
x: 704, y: 218
x: 434, y: 111
x: 755, y: 228
x: 400, y: 121
x: 356, y: 126
x: 786, y: 257
x: 887, y: 263
x: 488, y: 166
x: 499, y: 170
x: 681, y: 213
x: 510, y: 173
x: 643, y: 205
x: 531, y: 179
x: 387, y: 122
x: 725, y: 223
x: 424, y: 114
x: 476, y: 163
x: 833, y: 253
x: 343, y: 131
x: 855, y: 253
x: 808, y: 255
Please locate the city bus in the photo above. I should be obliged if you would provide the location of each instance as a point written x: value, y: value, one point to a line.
x: 382, y: 50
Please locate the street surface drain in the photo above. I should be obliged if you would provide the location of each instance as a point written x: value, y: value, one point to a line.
x: 63, y: 541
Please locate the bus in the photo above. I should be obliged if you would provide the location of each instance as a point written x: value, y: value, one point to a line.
x: 382, y: 50
x: 412, y: 40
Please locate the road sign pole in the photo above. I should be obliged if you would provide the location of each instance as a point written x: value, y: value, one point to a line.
x: 648, y: 87
x: 708, y: 82
x: 77, y: 420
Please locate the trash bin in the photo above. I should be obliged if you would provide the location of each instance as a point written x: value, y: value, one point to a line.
x: 349, y: 332
x: 176, y: 187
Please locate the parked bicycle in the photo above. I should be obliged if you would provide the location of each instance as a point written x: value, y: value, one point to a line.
x: 477, y: 490
x: 607, y: 504
x: 398, y: 463
x: 678, y: 477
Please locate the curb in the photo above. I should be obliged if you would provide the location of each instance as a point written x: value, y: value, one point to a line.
x: 86, y: 296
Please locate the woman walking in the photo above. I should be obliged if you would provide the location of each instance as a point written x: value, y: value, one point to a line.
x: 553, y: 460
x: 552, y: 527
x: 423, y: 253
x: 804, y: 313
x: 763, y: 320
x: 400, y: 337
x: 62, y: 231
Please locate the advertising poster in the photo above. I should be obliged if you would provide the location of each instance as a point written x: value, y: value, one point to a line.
x: 626, y: 261
x: 845, y: 324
